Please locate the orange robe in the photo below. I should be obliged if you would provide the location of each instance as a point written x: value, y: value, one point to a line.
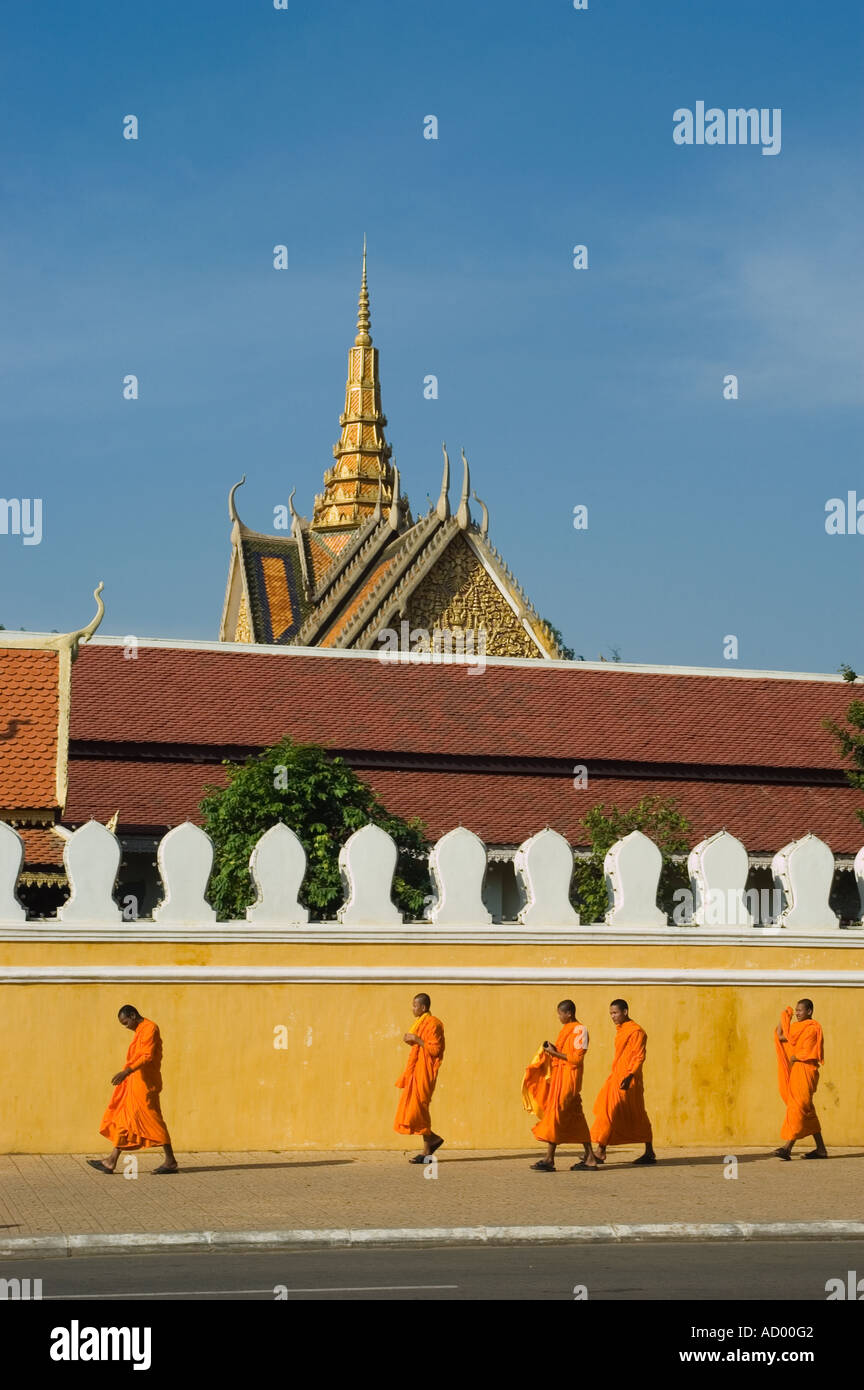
x: 417, y: 1081
x: 620, y: 1116
x: 133, y: 1119
x: 552, y: 1089
x: 799, y: 1079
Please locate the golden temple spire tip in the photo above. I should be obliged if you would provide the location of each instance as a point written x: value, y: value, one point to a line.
x: 362, y: 455
x: 363, y: 338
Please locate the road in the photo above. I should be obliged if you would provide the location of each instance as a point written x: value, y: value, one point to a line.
x: 686, y: 1271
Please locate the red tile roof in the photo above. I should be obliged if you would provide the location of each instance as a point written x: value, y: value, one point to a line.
x: 728, y: 725
x: 146, y: 794
x: 506, y: 810
x: 172, y: 695
x: 28, y: 728
x: 42, y: 846
x: 500, y: 808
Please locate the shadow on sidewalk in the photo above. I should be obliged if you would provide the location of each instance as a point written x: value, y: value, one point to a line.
x: 719, y: 1158
x: 453, y: 1157
x: 249, y: 1167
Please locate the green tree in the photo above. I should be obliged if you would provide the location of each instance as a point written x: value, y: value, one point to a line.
x: 323, y: 801
x: 850, y: 738
x: 657, y: 817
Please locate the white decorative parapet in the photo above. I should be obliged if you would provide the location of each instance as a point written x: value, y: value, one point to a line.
x: 804, y: 870
x: 632, y: 869
x: 718, y: 877
x: 458, y: 868
x: 185, y: 859
x: 367, y: 862
x: 11, y: 859
x: 718, y: 868
x: 544, y: 868
x: 91, y: 858
x: 278, y: 867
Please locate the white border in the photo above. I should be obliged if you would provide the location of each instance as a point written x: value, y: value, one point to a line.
x: 613, y: 976
x: 521, y: 662
x: 422, y: 934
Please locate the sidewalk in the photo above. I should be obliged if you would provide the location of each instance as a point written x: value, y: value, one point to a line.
x: 57, y: 1195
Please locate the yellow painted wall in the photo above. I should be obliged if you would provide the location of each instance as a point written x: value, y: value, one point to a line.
x: 710, y: 1076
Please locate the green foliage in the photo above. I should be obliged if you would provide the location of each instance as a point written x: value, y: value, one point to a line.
x: 567, y: 653
x: 850, y: 741
x: 657, y: 817
x: 323, y: 801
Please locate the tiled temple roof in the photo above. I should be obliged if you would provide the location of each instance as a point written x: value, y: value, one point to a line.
x: 453, y: 745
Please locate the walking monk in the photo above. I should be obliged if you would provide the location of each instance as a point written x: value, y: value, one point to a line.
x: 417, y: 1081
x: 133, y: 1119
x: 800, y: 1050
x: 552, y: 1089
x: 619, y: 1110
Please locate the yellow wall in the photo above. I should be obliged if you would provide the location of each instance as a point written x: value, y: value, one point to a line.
x: 710, y: 1076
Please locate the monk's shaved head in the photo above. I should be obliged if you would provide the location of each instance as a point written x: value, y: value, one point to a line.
x: 567, y: 1006
x: 807, y: 1003
x: 424, y: 1000
x: 127, y: 1011
x: 619, y: 1012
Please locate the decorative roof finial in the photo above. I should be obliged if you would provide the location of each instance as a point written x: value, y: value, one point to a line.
x: 484, y: 525
x: 394, y: 506
x: 363, y: 339
x: 85, y: 633
x: 443, y: 507
x: 376, y: 515
x: 463, y: 516
x: 232, y: 510
x: 296, y: 528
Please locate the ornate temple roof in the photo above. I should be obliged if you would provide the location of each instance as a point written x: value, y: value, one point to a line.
x: 362, y: 564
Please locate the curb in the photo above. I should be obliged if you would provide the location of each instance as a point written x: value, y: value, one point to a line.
x: 100, y: 1243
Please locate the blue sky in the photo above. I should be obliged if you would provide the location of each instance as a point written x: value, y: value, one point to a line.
x: 602, y: 387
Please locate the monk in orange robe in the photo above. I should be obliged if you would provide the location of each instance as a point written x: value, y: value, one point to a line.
x: 552, y: 1090
x: 133, y: 1119
x: 417, y: 1081
x: 619, y: 1110
x: 800, y: 1050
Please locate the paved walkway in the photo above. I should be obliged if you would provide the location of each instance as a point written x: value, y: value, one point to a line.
x: 58, y: 1194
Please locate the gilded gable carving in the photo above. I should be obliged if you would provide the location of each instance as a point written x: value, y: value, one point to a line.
x: 243, y: 629
x: 457, y: 593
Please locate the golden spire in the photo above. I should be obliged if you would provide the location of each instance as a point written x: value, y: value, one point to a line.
x: 363, y: 339
x: 362, y: 468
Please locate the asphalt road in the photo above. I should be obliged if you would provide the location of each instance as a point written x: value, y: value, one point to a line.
x: 686, y: 1271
